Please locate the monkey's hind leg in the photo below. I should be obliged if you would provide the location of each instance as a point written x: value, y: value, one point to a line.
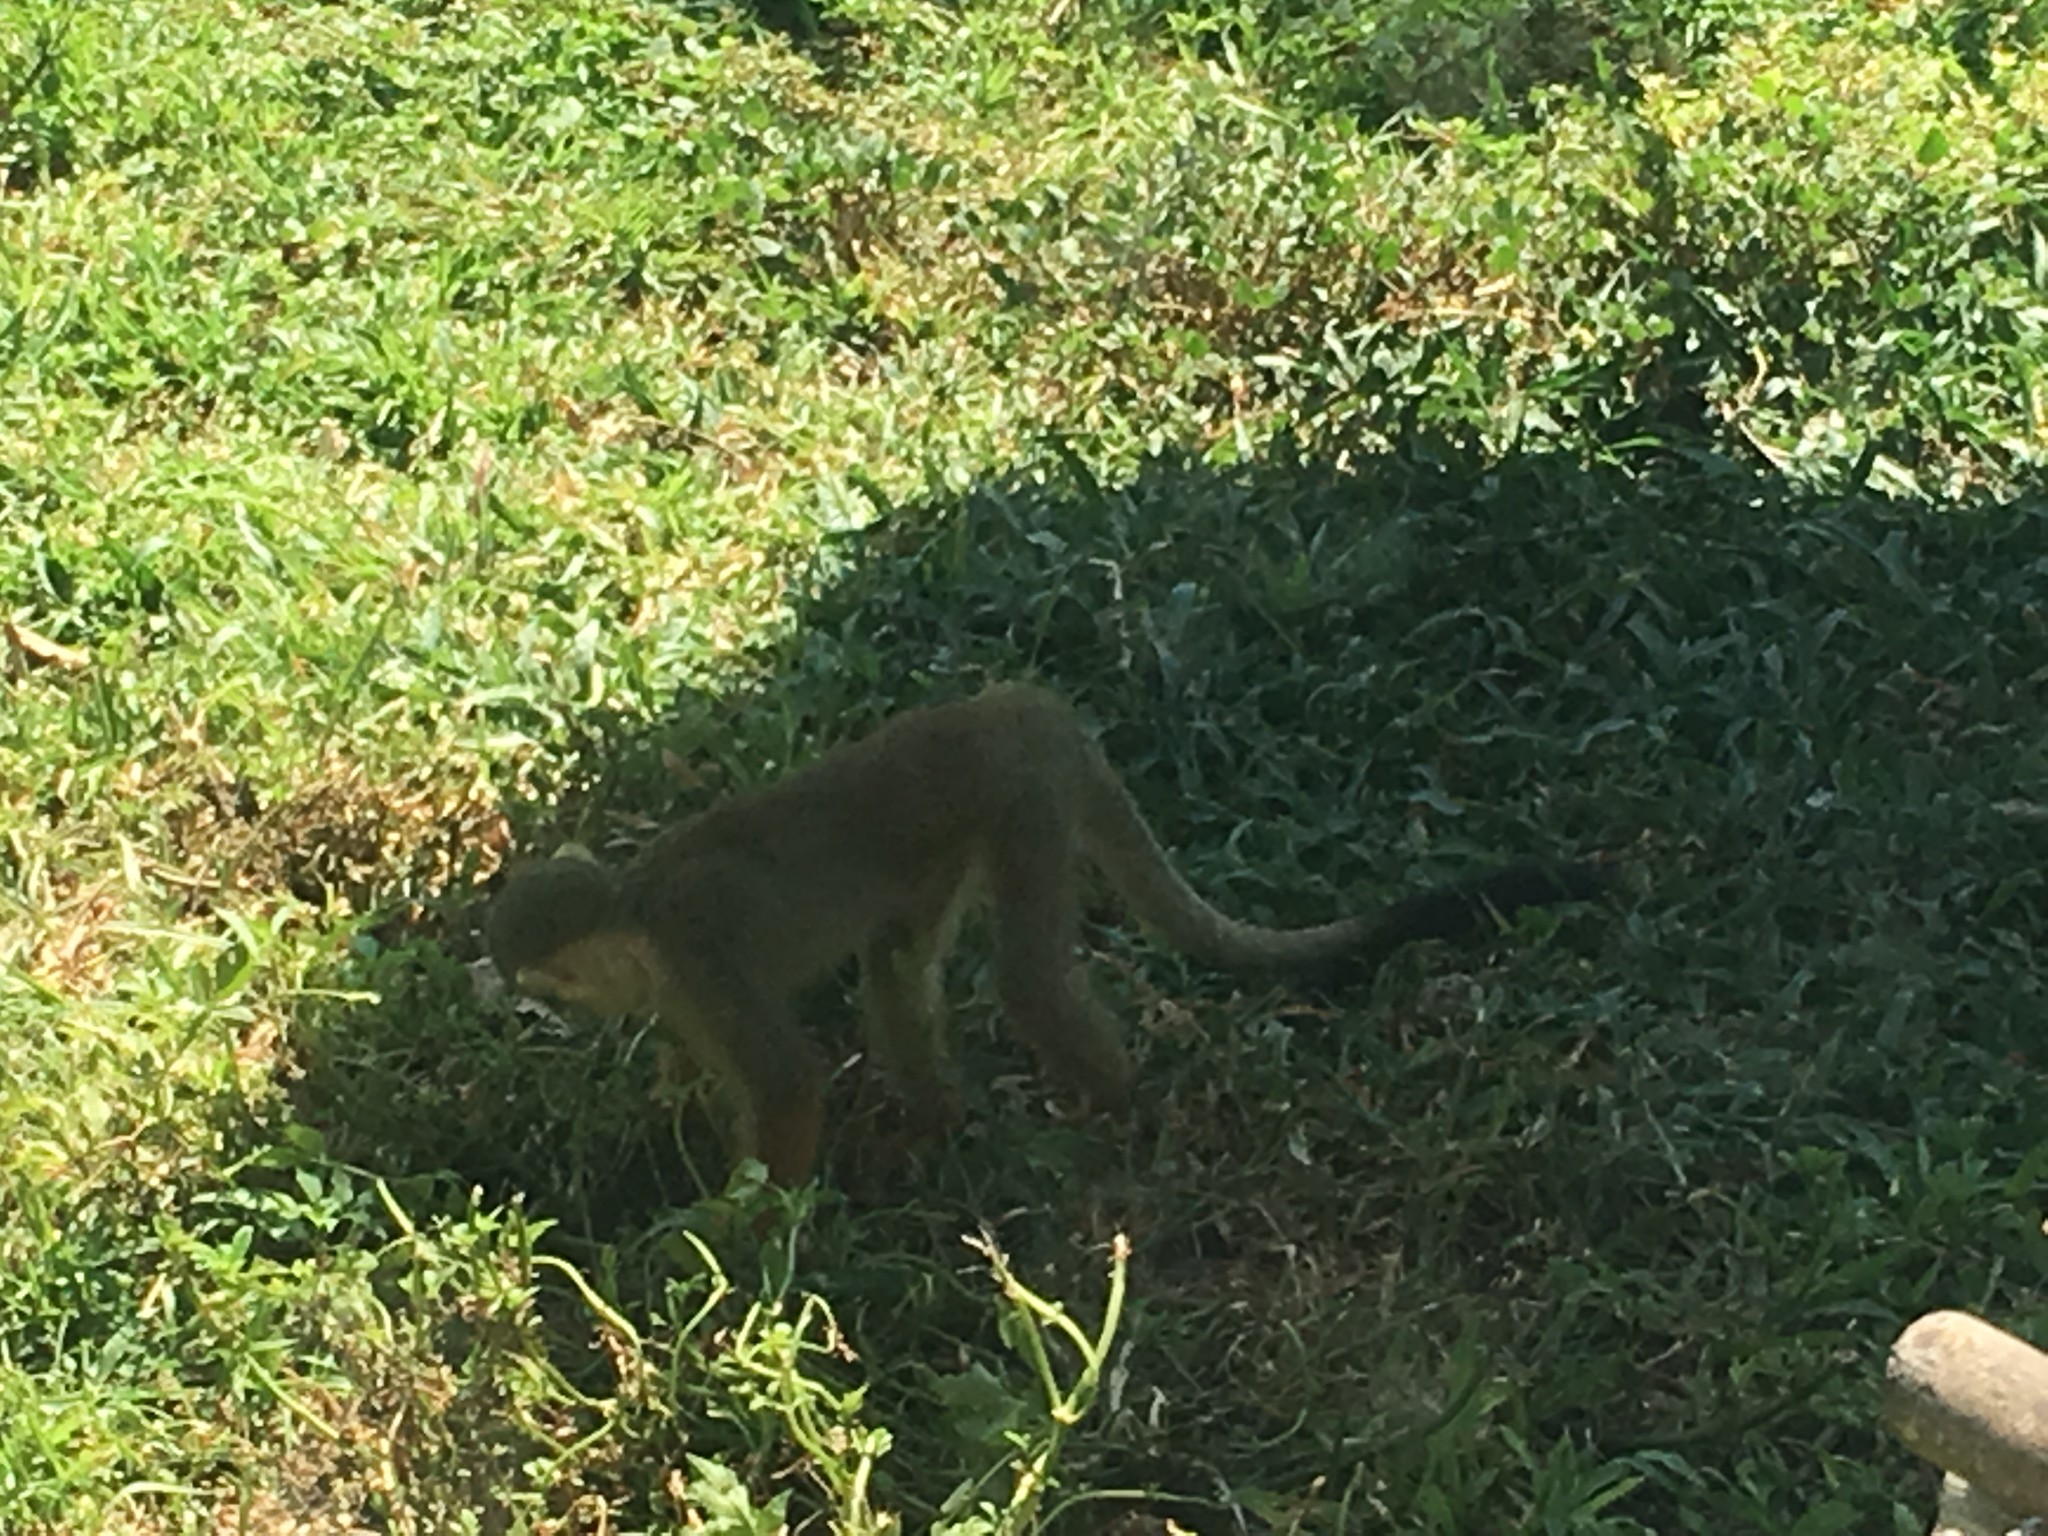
x: 903, y: 1008
x: 1033, y: 879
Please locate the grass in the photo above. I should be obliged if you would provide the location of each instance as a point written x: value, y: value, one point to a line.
x: 1467, y: 429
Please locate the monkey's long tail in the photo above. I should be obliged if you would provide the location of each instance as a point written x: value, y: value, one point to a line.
x: 1474, y: 905
x: 1123, y: 845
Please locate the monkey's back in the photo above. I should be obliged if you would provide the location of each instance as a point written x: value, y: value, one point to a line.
x: 811, y: 865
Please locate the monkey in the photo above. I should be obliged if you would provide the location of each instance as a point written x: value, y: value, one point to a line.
x: 876, y: 850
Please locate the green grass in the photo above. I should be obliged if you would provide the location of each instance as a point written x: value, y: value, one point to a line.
x: 1412, y: 437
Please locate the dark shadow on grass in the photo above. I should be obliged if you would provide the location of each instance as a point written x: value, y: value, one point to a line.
x: 1413, y: 61
x: 839, y: 46
x: 1589, y: 1156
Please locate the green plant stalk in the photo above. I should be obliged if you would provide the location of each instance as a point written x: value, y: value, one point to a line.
x: 1064, y: 1407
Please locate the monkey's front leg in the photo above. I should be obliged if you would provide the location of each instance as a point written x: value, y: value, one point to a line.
x: 771, y: 1079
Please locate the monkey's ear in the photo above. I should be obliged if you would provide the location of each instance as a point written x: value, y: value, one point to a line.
x: 576, y: 851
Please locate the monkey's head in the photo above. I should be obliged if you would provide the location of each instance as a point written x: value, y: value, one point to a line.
x: 558, y: 930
